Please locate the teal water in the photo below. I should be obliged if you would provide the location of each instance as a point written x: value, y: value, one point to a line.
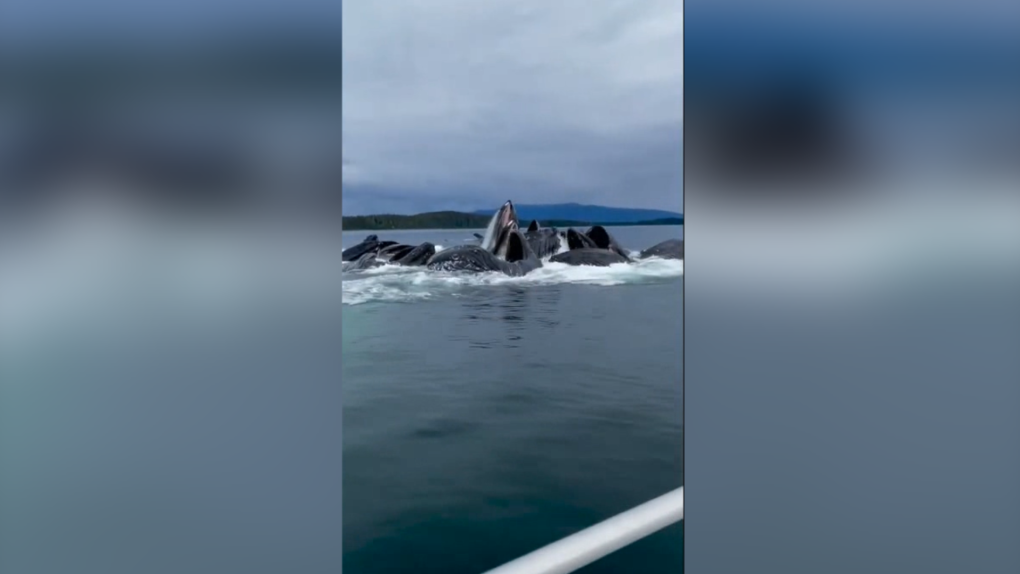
x: 485, y: 417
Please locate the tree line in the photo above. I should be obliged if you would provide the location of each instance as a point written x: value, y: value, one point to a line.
x: 458, y: 220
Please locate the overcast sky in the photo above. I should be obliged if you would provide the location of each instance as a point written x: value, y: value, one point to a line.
x: 459, y: 104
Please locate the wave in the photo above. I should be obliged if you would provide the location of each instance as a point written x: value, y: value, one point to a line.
x: 391, y: 283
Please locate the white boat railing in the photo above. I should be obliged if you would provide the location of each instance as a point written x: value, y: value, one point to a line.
x: 583, y: 548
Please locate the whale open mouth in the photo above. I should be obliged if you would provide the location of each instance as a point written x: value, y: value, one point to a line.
x: 516, y: 247
x: 503, y: 222
x: 578, y: 240
x: 503, y: 242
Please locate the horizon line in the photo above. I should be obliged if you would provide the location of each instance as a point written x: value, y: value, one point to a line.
x: 476, y: 210
x: 672, y: 215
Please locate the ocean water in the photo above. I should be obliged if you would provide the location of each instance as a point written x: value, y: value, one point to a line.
x: 486, y: 416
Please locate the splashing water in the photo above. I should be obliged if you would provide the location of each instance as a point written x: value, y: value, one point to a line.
x: 391, y: 283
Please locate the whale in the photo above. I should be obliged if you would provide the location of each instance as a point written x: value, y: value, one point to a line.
x: 578, y: 240
x: 417, y: 256
x: 366, y: 261
x: 603, y: 240
x: 369, y: 245
x: 394, y: 252
x: 668, y: 249
x: 595, y: 247
x: 519, y: 258
x: 544, y: 241
x: 497, y: 233
x: 589, y: 256
x: 402, y: 254
x: 494, y: 241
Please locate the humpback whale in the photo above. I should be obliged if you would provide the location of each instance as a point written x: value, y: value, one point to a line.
x: 544, y: 241
x: 595, y: 247
x: 366, y: 261
x: 520, y: 259
x: 495, y: 236
x: 394, y: 252
x: 417, y: 255
x: 369, y: 245
x: 397, y: 254
x: 589, y: 256
x: 578, y: 240
x: 497, y: 242
x: 402, y: 254
x: 668, y: 249
x: 603, y: 240
x: 504, y: 247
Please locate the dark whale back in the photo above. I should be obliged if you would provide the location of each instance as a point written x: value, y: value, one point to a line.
x: 394, y: 252
x: 418, y: 256
x: 589, y: 256
x: 519, y: 260
x: 669, y: 249
x: 354, y: 253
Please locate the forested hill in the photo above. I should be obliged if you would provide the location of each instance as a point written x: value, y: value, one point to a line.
x: 458, y: 220
x: 581, y: 212
x: 432, y: 220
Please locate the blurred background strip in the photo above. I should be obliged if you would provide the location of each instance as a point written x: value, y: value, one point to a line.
x: 169, y: 301
x: 852, y: 177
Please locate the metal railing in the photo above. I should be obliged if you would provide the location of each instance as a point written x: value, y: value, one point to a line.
x: 583, y: 548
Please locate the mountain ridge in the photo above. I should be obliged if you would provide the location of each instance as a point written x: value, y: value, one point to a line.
x: 460, y: 220
x: 585, y: 212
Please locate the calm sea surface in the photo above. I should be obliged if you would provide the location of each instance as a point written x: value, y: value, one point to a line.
x: 486, y: 416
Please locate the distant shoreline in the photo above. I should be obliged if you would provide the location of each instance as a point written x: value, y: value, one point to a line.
x: 457, y: 220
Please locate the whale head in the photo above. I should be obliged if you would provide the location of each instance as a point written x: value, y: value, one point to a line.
x: 517, y: 247
x: 578, y: 240
x: 504, y: 220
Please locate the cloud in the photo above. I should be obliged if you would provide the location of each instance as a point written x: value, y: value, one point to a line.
x: 456, y: 103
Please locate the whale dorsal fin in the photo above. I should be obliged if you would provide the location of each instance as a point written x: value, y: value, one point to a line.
x: 533, y: 226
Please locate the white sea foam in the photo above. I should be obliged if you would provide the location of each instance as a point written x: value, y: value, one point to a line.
x: 409, y: 284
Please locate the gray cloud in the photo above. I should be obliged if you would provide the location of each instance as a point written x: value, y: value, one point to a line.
x: 458, y: 104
